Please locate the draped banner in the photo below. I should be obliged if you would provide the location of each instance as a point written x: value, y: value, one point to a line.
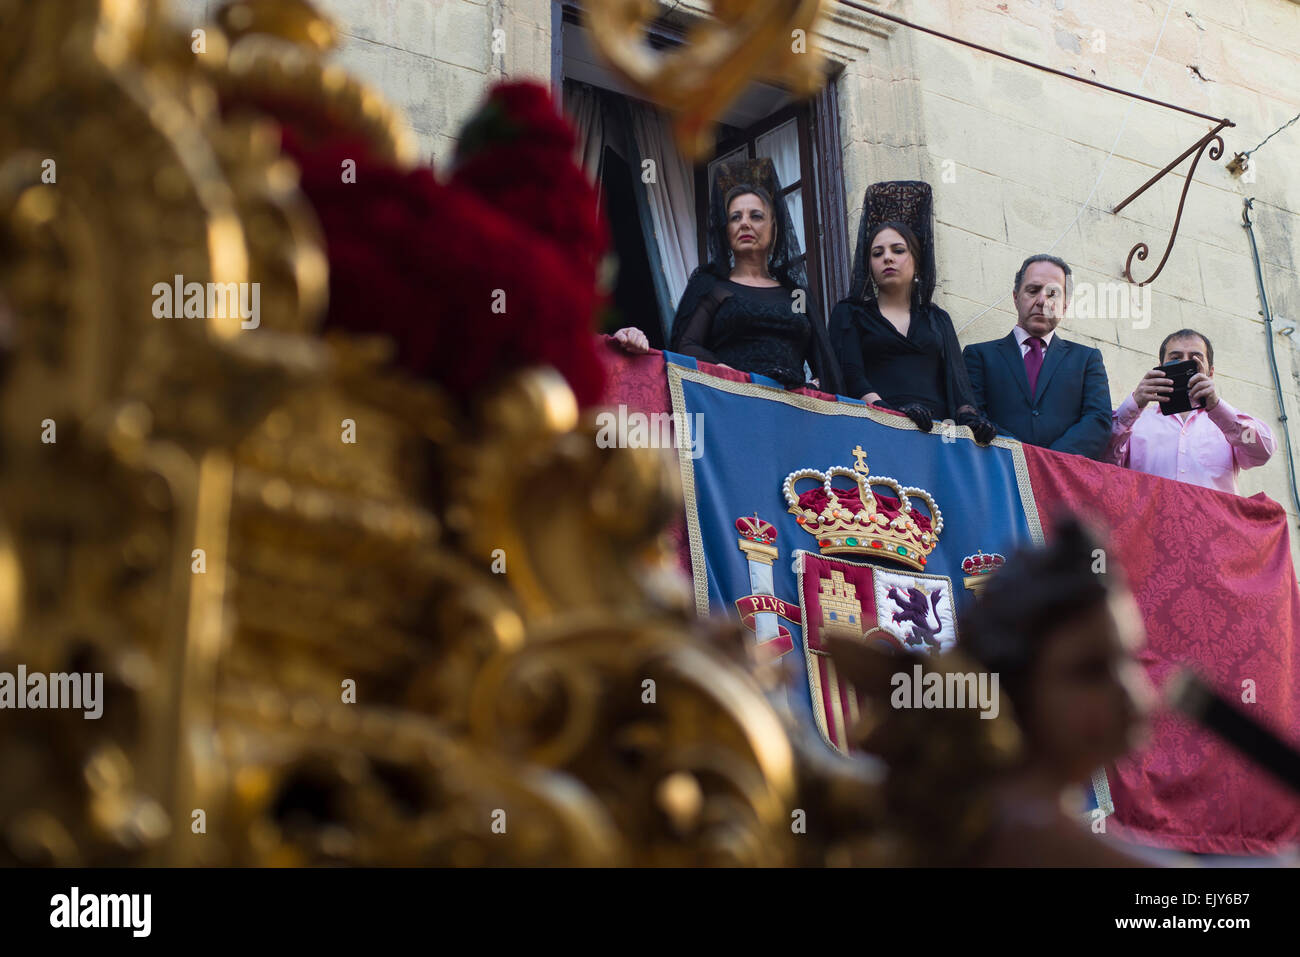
x: 1211, y: 572
x: 762, y: 468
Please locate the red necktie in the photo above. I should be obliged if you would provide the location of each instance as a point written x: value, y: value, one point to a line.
x: 1033, y: 362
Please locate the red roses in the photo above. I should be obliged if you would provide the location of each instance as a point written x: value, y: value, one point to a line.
x: 487, y: 273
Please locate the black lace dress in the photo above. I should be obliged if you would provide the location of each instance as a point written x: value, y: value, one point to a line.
x: 750, y: 328
x: 924, y: 367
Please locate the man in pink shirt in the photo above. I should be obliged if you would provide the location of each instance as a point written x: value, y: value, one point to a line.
x: 1205, y: 446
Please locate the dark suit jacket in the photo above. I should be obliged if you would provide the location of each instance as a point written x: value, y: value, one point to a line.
x: 1068, y: 412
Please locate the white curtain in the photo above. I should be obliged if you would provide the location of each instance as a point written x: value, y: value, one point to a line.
x: 782, y: 145
x: 583, y: 106
x: 667, y: 205
x: 670, y: 200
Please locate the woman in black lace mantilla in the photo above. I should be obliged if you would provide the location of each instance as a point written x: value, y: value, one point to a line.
x: 896, y: 348
x: 749, y: 308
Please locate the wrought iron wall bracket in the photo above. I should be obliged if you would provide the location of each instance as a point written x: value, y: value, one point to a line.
x: 1141, y: 250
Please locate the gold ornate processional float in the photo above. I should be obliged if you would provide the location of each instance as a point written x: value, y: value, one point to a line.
x: 307, y: 657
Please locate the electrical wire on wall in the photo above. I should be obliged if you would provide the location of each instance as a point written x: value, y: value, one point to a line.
x: 1247, y: 205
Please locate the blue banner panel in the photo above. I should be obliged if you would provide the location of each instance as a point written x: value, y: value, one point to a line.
x: 755, y: 451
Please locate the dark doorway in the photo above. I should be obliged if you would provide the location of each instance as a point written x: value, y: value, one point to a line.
x: 634, y: 298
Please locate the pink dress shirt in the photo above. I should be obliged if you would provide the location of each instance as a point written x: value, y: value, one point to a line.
x: 1207, y: 449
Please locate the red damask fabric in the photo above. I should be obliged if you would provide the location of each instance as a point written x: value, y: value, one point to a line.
x: 1212, y: 574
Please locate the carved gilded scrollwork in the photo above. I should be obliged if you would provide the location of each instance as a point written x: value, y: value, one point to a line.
x: 678, y: 742
x: 719, y: 58
x: 106, y: 187
x: 305, y: 637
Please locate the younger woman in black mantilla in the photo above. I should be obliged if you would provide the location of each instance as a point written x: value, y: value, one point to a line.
x: 896, y: 348
x: 749, y: 308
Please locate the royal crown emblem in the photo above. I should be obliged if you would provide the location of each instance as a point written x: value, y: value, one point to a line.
x: 859, y: 521
x: 978, y: 567
x: 756, y: 530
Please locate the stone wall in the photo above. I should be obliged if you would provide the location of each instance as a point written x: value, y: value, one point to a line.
x: 432, y: 59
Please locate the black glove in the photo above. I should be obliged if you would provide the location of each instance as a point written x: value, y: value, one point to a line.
x: 919, y: 414
x: 984, y: 430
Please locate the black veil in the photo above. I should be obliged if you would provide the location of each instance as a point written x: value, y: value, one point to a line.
x: 899, y: 201
x: 911, y: 203
x: 784, y: 262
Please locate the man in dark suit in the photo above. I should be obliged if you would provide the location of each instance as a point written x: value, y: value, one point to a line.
x: 1038, y: 387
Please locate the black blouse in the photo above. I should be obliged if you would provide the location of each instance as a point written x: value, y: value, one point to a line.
x: 750, y: 328
x: 924, y: 367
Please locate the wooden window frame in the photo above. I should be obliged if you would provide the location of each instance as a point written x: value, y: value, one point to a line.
x: 832, y: 209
